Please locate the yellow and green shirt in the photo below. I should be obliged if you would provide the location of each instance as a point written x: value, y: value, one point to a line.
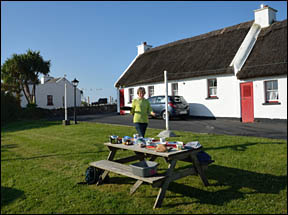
x: 140, y: 109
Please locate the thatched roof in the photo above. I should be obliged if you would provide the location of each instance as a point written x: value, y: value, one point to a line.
x: 206, y: 54
x: 269, y: 55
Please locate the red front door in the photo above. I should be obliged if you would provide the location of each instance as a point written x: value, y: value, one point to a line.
x: 121, y: 91
x: 247, y: 106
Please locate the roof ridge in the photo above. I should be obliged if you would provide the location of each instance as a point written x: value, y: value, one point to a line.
x: 200, y: 36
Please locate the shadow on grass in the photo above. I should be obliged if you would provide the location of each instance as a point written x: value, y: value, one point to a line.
x: 5, y: 148
x: 52, y: 155
x: 28, y: 124
x: 93, y: 117
x: 8, y: 195
x: 240, y: 147
x: 233, y: 184
x: 120, y: 180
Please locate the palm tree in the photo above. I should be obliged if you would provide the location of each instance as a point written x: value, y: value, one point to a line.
x: 18, y: 72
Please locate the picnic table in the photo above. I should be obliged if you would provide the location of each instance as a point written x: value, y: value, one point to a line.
x: 162, y: 180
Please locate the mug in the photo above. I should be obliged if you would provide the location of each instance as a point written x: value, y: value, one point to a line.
x: 113, y: 139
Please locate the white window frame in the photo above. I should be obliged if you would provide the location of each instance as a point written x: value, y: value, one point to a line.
x: 271, y: 93
x: 212, y: 88
x: 150, y: 91
x: 131, y: 94
x: 174, y: 89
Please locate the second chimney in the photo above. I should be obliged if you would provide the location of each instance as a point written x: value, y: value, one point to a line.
x: 143, y: 48
x: 265, y: 16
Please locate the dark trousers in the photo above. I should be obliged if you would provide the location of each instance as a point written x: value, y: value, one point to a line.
x: 141, y: 128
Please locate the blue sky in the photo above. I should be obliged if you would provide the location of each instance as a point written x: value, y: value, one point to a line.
x: 95, y: 41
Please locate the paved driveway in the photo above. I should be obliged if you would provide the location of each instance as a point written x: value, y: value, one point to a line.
x: 276, y: 129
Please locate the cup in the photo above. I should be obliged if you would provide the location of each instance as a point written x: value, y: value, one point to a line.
x: 113, y: 139
x: 128, y: 142
x: 180, y: 145
x: 119, y: 140
x: 148, y: 142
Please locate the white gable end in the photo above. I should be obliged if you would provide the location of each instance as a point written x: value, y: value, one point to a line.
x: 56, y: 89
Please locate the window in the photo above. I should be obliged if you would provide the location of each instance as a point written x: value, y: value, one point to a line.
x: 174, y: 87
x: 212, y: 88
x: 49, y: 100
x: 150, y: 91
x: 271, y: 91
x: 131, y: 95
x: 152, y: 100
x: 160, y: 99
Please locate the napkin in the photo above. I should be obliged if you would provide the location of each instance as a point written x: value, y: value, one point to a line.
x: 192, y: 145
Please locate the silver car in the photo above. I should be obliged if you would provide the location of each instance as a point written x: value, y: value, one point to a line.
x: 177, y: 106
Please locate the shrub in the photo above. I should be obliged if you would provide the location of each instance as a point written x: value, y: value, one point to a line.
x: 31, y: 106
x: 85, y: 104
x: 10, y: 108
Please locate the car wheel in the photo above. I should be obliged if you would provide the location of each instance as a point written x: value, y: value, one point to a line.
x: 164, y: 115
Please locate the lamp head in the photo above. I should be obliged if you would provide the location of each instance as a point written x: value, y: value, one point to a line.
x: 75, y: 82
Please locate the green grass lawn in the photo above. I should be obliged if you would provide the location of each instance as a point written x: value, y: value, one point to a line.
x: 42, y: 162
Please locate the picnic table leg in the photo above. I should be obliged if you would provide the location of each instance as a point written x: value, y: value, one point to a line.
x: 165, y: 185
x: 135, y: 186
x: 139, y: 182
x: 199, y: 169
x: 103, y: 174
x: 111, y: 153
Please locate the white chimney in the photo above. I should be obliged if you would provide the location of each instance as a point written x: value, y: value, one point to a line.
x: 265, y: 16
x: 45, y: 78
x: 143, y: 48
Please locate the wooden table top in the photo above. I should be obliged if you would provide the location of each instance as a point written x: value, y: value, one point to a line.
x: 172, y: 154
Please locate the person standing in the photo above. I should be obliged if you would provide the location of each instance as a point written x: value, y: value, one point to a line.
x: 141, y: 109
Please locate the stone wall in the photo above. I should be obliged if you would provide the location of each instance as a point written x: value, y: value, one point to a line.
x: 107, y: 108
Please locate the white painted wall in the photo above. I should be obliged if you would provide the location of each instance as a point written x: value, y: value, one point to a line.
x: 58, y: 92
x: 195, y: 93
x: 228, y: 103
x: 270, y: 111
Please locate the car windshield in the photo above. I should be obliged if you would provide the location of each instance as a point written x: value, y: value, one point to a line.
x: 152, y: 100
x: 178, y: 99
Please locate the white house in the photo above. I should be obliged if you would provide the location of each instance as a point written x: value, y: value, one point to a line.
x: 50, y: 93
x: 236, y: 72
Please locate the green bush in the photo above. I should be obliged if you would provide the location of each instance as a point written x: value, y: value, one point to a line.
x: 31, y: 106
x: 10, y: 108
x: 85, y: 104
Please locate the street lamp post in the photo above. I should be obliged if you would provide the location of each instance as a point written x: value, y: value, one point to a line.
x: 75, y: 83
x: 66, y: 121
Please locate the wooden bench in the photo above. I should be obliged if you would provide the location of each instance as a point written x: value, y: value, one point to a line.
x: 126, y: 170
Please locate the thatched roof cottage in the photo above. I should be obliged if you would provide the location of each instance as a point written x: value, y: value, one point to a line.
x: 238, y: 71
